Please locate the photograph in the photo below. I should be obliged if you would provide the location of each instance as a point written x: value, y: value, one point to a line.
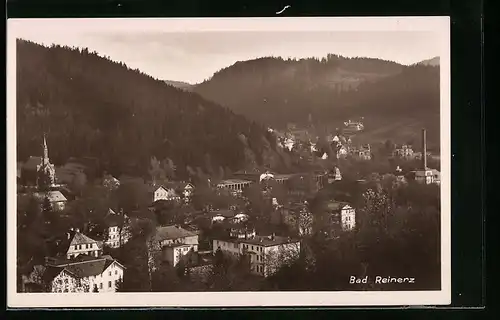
x: 259, y: 161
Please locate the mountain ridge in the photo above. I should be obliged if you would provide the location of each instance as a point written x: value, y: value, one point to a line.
x: 123, y: 116
x: 276, y: 91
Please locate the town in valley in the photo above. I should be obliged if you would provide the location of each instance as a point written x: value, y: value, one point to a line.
x: 186, y: 196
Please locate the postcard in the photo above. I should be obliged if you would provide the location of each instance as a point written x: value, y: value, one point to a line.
x: 263, y: 162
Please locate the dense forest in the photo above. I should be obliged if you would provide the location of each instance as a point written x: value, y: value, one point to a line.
x: 275, y: 91
x: 91, y: 106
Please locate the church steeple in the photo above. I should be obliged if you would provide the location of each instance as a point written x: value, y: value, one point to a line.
x: 45, y: 151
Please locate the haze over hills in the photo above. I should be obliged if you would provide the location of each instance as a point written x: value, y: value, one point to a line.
x: 275, y: 91
x: 90, y: 106
x: 180, y: 85
x: 430, y: 62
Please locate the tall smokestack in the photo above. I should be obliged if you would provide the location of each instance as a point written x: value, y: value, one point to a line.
x: 424, y: 149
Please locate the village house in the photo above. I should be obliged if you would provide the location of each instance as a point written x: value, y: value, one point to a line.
x: 110, y: 182
x: 56, y: 199
x: 339, y: 216
x: 425, y: 174
x: 343, y: 214
x: 353, y: 126
x: 221, y: 215
x: 118, y: 229
x: 175, y: 244
x: 363, y: 152
x: 267, y: 254
x: 184, y: 189
x: 72, y: 244
x: 403, y: 151
x: 85, y: 274
x: 160, y: 192
x: 334, y: 175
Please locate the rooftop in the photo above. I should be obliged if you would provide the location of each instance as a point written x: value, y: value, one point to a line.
x: 269, y: 241
x: 234, y: 181
x: 60, y: 244
x: 171, y: 233
x: 81, y: 269
x: 54, y: 196
x: 336, y: 205
x: 224, y: 213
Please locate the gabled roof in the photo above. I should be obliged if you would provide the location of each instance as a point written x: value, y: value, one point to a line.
x: 172, y: 233
x: 62, y: 243
x: 336, y: 205
x: 81, y: 269
x: 54, y: 196
x: 178, y: 185
x: 224, y: 213
x: 80, y: 238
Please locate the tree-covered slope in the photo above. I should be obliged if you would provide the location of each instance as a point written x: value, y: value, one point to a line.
x: 91, y: 106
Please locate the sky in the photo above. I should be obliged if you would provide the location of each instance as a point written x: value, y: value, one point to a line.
x: 193, y: 54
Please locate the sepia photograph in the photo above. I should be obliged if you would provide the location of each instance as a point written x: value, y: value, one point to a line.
x: 259, y: 161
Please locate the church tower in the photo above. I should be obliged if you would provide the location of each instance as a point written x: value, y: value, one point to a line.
x: 45, y: 170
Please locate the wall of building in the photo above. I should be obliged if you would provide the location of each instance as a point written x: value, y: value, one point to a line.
x: 348, y: 218
x: 90, y: 249
x: 66, y: 283
x: 114, y: 236
x: 106, y: 281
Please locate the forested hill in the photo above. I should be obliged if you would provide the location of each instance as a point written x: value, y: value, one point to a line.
x: 91, y: 106
x: 275, y: 91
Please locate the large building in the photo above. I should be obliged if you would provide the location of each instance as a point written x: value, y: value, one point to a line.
x: 338, y: 216
x: 118, y: 225
x: 267, y: 254
x: 234, y: 185
x: 85, y: 274
x: 175, y: 244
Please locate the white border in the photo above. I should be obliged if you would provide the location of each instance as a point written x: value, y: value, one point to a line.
x: 438, y: 25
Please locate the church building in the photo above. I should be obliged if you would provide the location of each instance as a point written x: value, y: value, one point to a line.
x: 38, y: 169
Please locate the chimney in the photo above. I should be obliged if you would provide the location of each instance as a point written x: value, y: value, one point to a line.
x: 68, y: 235
x: 424, y: 149
x: 77, y: 230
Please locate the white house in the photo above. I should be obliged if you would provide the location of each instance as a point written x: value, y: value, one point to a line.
x: 428, y: 176
x: 185, y: 189
x: 404, y: 151
x: 267, y: 254
x: 87, y: 275
x: 342, y: 214
x: 118, y: 229
x: 164, y: 193
x: 73, y: 244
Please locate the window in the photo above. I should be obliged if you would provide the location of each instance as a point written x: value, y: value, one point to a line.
x: 100, y: 285
x: 116, y: 272
x: 109, y: 273
x: 236, y: 245
x: 109, y: 284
